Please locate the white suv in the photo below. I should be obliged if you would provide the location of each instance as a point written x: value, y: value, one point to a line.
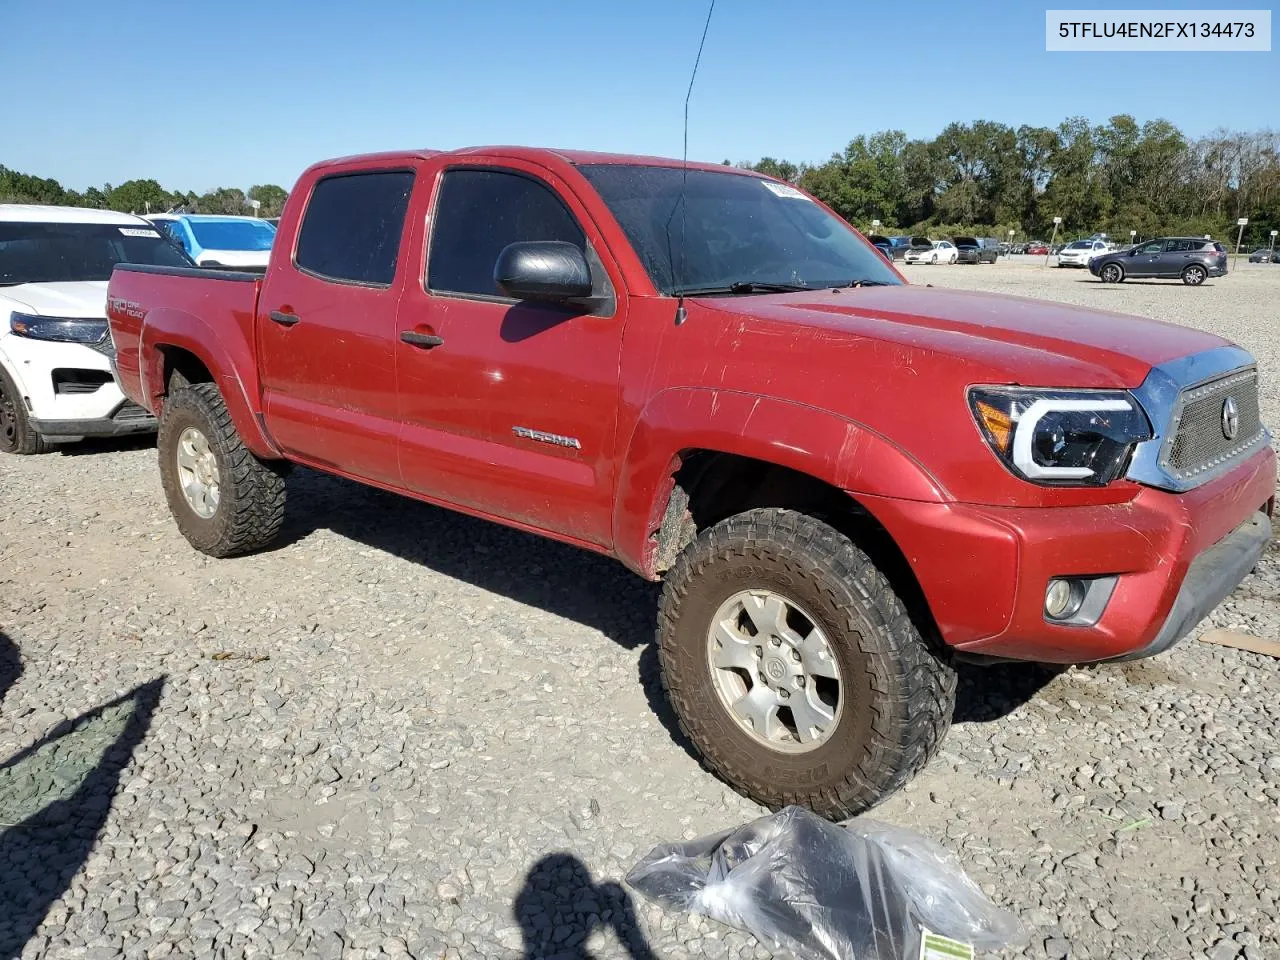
x: 56, y: 382
x: 1080, y: 252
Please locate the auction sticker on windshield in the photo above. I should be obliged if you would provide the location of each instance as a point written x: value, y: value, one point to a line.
x: 783, y: 190
x: 139, y: 232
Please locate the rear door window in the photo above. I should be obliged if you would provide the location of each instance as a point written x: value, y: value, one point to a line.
x: 352, y: 227
x: 477, y: 214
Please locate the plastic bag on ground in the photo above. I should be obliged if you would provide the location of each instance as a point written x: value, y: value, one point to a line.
x: 861, y: 890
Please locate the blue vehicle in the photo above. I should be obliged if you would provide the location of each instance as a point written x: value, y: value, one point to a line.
x: 219, y: 241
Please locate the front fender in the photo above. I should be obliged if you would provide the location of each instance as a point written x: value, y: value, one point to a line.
x: 832, y: 448
x: 224, y: 354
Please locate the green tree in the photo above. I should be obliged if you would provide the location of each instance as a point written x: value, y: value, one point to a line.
x: 139, y: 196
x: 224, y: 200
x: 270, y: 196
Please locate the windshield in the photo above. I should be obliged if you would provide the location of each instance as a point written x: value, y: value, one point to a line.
x: 233, y: 234
x: 66, y: 252
x: 1080, y: 245
x: 733, y: 230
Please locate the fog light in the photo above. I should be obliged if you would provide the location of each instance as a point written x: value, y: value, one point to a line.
x: 1063, y: 598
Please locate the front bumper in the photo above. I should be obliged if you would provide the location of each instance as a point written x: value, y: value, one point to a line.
x: 1175, y: 556
x: 127, y: 418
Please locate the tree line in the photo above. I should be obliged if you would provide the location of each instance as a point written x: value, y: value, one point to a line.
x: 1111, y: 178
x: 140, y: 196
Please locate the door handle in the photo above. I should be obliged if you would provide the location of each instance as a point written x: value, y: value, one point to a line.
x: 284, y: 319
x: 424, y: 340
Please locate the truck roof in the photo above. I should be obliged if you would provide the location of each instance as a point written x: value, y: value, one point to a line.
x: 40, y: 213
x: 535, y: 154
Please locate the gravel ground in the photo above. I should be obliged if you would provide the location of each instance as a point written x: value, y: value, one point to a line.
x: 409, y: 733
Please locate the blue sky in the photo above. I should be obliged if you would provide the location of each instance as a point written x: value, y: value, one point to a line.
x: 234, y: 93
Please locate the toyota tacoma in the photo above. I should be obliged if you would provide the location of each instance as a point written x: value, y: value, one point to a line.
x: 845, y: 482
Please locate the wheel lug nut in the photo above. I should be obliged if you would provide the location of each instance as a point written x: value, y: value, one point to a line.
x: 799, y: 681
x: 784, y: 694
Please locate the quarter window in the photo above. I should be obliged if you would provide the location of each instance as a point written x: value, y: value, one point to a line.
x: 477, y: 214
x: 351, y: 230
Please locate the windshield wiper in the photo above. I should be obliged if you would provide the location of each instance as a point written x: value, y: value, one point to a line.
x: 740, y: 287
x: 866, y: 283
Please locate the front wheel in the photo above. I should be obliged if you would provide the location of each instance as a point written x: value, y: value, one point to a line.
x: 16, y: 435
x: 1111, y: 273
x: 1194, y: 275
x: 224, y: 499
x: 794, y: 667
x: 934, y: 258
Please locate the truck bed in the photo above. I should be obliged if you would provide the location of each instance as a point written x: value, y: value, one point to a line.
x: 144, y: 300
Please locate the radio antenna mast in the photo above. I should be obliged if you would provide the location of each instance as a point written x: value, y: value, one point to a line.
x: 678, y: 275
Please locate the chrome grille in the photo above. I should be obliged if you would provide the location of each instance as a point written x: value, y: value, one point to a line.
x: 1200, y: 444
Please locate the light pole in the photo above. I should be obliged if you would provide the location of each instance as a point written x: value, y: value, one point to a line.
x: 257, y: 205
x: 1011, y: 233
x: 1057, y: 221
x: 1241, y: 223
x: 1132, y: 234
x: 1273, y: 241
x: 875, y: 226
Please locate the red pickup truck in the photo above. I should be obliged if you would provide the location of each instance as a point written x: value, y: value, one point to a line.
x: 846, y: 482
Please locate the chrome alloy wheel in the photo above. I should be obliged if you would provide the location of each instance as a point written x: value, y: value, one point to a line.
x: 775, y: 671
x: 198, y: 473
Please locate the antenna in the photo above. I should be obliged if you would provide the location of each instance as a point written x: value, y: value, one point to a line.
x: 684, y: 181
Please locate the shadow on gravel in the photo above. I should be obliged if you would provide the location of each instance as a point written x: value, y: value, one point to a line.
x: 575, y: 584
x: 10, y: 664
x: 91, y: 446
x: 984, y: 694
x: 559, y: 906
x: 54, y: 799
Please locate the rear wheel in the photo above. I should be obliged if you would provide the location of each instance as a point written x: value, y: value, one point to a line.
x: 224, y: 499
x: 1111, y: 273
x: 794, y: 667
x: 1194, y: 275
x: 16, y: 435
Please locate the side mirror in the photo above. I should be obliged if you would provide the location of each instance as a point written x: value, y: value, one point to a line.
x: 1133, y: 252
x: 550, y: 271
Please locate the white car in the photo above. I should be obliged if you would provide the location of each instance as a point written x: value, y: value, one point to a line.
x: 214, y: 240
x: 1080, y: 252
x: 56, y: 382
x: 941, y: 251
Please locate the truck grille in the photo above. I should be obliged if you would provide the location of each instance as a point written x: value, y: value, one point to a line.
x: 1200, y: 440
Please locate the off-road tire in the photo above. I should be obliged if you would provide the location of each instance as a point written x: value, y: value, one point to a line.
x: 1194, y: 275
x: 898, y: 692
x: 16, y: 435
x: 1111, y: 273
x: 252, y: 492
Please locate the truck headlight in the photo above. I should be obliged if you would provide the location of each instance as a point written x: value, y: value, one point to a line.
x: 64, y: 329
x: 1061, y: 437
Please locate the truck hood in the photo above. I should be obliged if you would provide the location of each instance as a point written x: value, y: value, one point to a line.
x: 1009, y: 339
x: 82, y: 298
x: 236, y: 258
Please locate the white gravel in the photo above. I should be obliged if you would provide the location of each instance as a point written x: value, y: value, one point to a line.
x: 408, y: 733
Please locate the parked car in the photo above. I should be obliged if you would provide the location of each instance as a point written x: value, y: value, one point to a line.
x: 1037, y: 249
x: 976, y: 249
x: 1265, y: 255
x: 55, y: 355
x: 583, y: 372
x: 883, y: 244
x: 219, y: 241
x: 938, y: 251
x: 1078, y: 253
x: 901, y: 244
x: 1189, y: 258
